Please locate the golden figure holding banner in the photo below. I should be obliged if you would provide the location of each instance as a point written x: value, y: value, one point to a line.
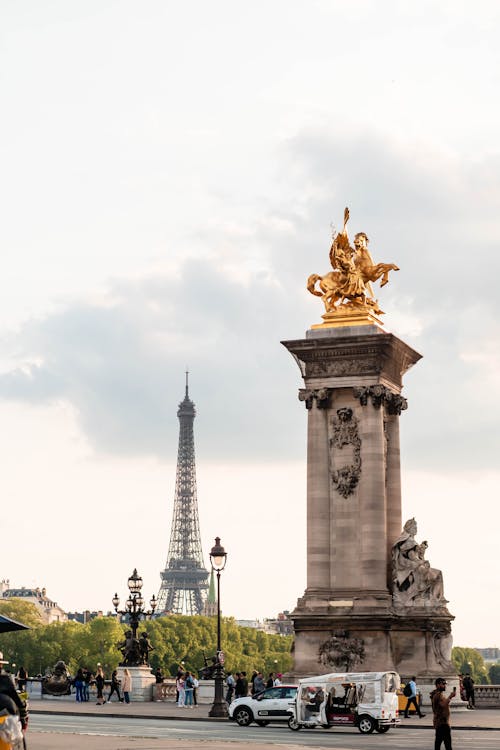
x: 347, y: 291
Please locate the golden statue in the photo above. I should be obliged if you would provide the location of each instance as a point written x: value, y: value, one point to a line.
x: 346, y: 291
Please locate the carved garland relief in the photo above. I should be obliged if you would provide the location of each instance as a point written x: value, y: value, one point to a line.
x: 345, y: 478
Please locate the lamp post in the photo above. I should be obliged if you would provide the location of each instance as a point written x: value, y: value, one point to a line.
x: 218, y: 557
x: 134, y: 607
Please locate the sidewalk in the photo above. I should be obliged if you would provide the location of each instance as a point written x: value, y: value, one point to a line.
x: 485, y: 719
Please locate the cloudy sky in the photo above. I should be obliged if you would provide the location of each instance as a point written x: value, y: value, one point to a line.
x: 169, y: 175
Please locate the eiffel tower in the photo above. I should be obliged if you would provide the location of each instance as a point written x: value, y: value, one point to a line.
x: 184, y: 579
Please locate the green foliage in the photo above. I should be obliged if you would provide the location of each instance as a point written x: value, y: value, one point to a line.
x: 16, y: 645
x: 21, y: 611
x: 494, y: 674
x: 470, y: 660
x: 176, y: 639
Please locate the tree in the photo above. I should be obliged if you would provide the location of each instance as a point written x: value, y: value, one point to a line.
x: 494, y: 674
x: 21, y: 611
x: 16, y: 645
x: 176, y: 639
x: 470, y: 660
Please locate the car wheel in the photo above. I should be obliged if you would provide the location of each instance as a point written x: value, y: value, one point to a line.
x: 366, y: 724
x: 243, y: 716
x: 293, y: 724
x: 261, y: 723
x: 326, y: 726
x: 383, y: 728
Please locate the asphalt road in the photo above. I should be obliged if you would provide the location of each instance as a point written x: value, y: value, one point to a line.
x: 55, y: 732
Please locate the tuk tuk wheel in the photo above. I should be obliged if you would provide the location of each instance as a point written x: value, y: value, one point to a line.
x: 366, y: 724
x: 293, y: 724
x: 383, y: 729
x: 261, y: 723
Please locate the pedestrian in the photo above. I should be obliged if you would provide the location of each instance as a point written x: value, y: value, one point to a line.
x: 231, y: 684
x: 159, y: 683
x: 99, y: 681
x: 79, y: 686
x: 441, y: 711
x: 258, y: 683
x: 87, y: 679
x: 468, y: 683
x: 411, y: 694
x: 270, y: 680
x: 252, y: 681
x: 196, y: 685
x: 178, y: 676
x: 181, y: 692
x: 244, y: 685
x: 22, y: 676
x: 115, y: 686
x: 238, y: 685
x: 188, y: 690
x: 277, y: 680
x: 126, y: 685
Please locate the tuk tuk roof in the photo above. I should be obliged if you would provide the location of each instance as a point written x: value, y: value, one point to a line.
x: 343, y: 677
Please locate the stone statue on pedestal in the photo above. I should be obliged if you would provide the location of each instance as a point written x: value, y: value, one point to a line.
x: 414, y: 582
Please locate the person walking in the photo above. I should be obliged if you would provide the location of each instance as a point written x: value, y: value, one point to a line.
x: 411, y: 694
x: 441, y: 711
x: 87, y: 679
x: 468, y: 684
x: 244, y: 685
x: 181, y: 692
x: 252, y: 681
x: 270, y: 680
x: 231, y: 684
x: 126, y: 685
x: 188, y: 690
x: 277, y: 680
x: 99, y: 682
x: 22, y: 676
x: 258, y: 684
x: 115, y: 686
x: 196, y: 685
x: 79, y: 684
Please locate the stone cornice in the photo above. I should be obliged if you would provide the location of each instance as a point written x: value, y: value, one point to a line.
x: 340, y: 356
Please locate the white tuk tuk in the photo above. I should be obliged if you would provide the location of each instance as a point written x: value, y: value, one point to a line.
x: 366, y: 700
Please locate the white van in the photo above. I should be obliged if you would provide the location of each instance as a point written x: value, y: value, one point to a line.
x: 366, y: 700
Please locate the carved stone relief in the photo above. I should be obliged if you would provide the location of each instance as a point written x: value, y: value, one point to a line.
x: 380, y: 395
x: 345, y: 478
x: 320, y: 395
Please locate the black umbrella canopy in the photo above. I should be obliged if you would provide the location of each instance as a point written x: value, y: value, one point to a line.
x: 6, y: 625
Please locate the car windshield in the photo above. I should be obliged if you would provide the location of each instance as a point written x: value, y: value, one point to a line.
x: 288, y: 692
x: 271, y: 693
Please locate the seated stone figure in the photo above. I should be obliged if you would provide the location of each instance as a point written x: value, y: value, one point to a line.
x: 415, y: 583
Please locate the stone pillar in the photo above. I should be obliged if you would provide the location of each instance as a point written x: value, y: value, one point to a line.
x: 318, y: 507
x: 353, y: 381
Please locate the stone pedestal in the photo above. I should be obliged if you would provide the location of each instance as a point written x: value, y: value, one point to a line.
x: 142, y: 682
x: 353, y: 381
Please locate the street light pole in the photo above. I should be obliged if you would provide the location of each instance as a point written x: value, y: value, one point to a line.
x: 134, y: 608
x: 218, y: 557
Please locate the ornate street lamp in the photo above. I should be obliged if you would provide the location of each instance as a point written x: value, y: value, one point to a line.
x: 133, y: 652
x: 218, y: 557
